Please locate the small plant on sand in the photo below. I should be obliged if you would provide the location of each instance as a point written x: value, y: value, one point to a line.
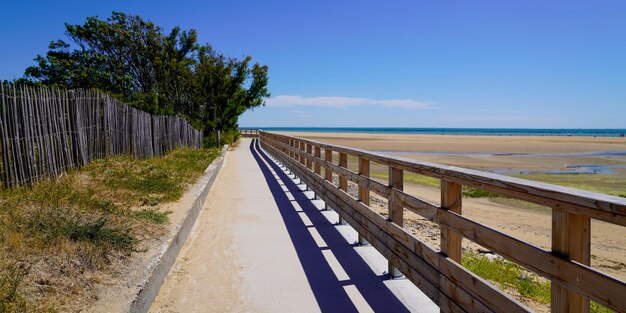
x: 507, y: 274
x: 471, y: 192
x: 10, y: 279
x: 152, y: 215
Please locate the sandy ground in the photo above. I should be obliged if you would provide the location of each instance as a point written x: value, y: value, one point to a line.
x: 458, y: 143
x: 121, y: 286
x: 398, y: 143
x: 239, y: 256
x: 525, y: 221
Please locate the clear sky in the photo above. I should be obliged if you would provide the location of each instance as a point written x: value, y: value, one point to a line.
x: 552, y: 64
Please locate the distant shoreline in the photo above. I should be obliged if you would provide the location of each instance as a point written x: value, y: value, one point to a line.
x: 565, y: 132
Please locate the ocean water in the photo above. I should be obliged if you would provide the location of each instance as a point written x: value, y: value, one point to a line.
x: 458, y: 131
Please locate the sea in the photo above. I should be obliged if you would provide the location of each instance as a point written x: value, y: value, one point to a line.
x: 459, y: 131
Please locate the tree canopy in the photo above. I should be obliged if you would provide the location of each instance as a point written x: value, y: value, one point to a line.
x: 161, y: 73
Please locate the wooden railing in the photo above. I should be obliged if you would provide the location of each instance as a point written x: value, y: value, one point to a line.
x: 439, y: 274
x: 249, y: 133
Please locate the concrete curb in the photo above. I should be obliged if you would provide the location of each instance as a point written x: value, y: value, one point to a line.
x: 169, y: 251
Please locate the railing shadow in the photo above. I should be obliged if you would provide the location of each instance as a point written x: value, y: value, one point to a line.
x: 328, y: 290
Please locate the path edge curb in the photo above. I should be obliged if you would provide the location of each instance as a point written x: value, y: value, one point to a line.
x: 170, y: 250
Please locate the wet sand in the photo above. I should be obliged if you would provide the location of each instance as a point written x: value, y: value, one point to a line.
x: 491, y: 153
x: 462, y: 143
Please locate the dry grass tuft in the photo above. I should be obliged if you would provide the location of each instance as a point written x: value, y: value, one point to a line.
x: 56, y: 236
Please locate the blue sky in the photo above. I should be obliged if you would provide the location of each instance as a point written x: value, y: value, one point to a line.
x: 546, y: 64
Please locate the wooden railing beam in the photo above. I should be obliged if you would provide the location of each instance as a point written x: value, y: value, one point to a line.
x: 608, y: 208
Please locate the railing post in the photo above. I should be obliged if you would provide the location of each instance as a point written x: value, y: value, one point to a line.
x: 296, y: 145
x: 298, y: 155
x: 328, y: 157
x: 571, y: 239
x: 328, y: 173
x: 318, y: 154
x: 309, y: 151
x: 343, y: 181
x: 364, y: 192
x: 451, y: 200
x: 396, y: 211
x: 302, y: 149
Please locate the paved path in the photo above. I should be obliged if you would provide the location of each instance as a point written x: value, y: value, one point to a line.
x: 261, y: 245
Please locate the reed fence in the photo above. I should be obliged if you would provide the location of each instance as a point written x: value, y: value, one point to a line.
x: 45, y: 131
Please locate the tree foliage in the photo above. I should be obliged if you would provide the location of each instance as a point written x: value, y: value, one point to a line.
x: 172, y: 73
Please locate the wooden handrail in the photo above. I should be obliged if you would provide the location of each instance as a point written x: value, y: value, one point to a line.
x: 438, y: 273
x: 249, y: 133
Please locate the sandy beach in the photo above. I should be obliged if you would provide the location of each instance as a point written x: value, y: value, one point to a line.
x: 466, y: 143
x: 486, y: 152
x: 501, y: 153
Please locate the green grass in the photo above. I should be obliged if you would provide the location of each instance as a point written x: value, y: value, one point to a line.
x: 471, y: 192
x: 155, y: 180
x: 602, y: 183
x: 422, y: 180
x: 70, y: 228
x: 507, y: 274
x: 411, y: 178
x: 152, y: 215
x: 607, y: 184
x: 10, y: 280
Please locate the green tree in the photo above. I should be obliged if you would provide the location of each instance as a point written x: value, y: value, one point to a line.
x: 226, y: 87
x: 134, y: 60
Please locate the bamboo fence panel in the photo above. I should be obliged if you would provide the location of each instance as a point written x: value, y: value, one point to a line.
x: 44, y: 131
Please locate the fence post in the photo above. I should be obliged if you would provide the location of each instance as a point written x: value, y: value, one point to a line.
x: 571, y: 239
x: 302, y: 151
x: 328, y: 173
x: 451, y: 200
x: 396, y: 211
x: 364, y: 192
x: 343, y: 181
x: 309, y: 151
x: 318, y: 154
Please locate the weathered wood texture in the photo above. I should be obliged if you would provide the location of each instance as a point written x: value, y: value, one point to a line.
x: 46, y: 131
x: 439, y: 274
x: 451, y: 200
